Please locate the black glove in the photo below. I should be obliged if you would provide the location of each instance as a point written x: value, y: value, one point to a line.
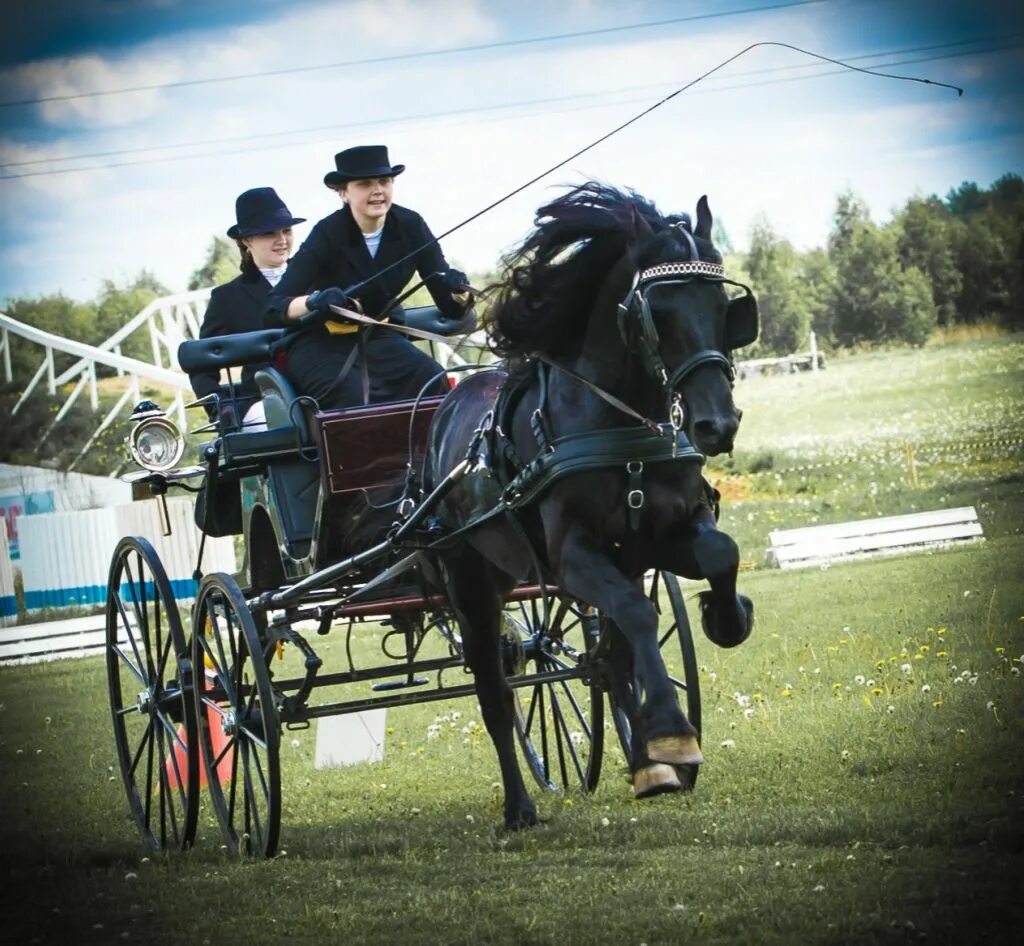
x: 454, y: 281
x: 321, y: 300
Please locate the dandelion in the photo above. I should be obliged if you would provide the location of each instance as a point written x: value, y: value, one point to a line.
x: 876, y: 691
x: 879, y: 664
x: 859, y: 679
x: 937, y: 703
x: 819, y: 888
x: 728, y: 743
x: 787, y: 692
x: 845, y: 755
x: 926, y: 688
x: 924, y: 648
x: 870, y: 683
x: 605, y: 822
x: 890, y: 709
x: 748, y: 713
x: 941, y: 653
x: 1000, y: 650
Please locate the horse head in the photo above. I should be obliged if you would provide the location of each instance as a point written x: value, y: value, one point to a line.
x: 678, y: 321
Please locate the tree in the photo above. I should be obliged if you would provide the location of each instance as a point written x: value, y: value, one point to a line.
x: 118, y: 305
x: 818, y: 277
x: 776, y: 280
x: 220, y: 266
x: 876, y: 300
x: 850, y: 211
x: 926, y: 234
x: 56, y: 314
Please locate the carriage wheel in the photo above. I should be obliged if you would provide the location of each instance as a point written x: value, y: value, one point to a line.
x: 148, y: 678
x: 677, y: 633
x: 238, y: 724
x: 560, y: 724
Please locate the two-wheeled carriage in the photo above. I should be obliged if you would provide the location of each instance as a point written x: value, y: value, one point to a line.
x: 200, y: 696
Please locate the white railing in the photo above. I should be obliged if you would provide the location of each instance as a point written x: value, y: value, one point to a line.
x: 169, y: 321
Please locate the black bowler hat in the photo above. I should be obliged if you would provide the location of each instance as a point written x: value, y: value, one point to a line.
x: 357, y: 164
x: 260, y: 210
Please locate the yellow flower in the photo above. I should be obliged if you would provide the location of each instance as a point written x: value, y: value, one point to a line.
x: 787, y: 692
x: 918, y: 656
x: 1000, y: 650
x: 837, y: 686
x: 925, y: 648
x: 942, y: 653
x: 937, y: 704
x: 877, y: 691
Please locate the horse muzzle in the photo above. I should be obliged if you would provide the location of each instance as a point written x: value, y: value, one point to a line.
x: 716, y: 434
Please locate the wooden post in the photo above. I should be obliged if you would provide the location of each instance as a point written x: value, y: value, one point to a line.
x: 908, y: 449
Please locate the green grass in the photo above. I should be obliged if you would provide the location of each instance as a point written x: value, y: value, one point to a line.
x: 863, y: 779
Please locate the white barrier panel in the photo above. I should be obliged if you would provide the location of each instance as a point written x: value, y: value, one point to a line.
x: 8, y: 602
x: 350, y: 739
x: 65, y: 557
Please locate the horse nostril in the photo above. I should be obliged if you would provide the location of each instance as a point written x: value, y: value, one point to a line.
x: 706, y: 429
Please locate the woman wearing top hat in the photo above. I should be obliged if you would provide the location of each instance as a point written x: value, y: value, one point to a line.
x: 362, y: 255
x: 263, y: 232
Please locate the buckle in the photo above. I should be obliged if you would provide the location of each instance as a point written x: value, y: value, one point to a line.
x: 635, y: 499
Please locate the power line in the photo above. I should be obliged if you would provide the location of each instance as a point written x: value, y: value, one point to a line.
x: 528, y: 102
x: 506, y: 106
x: 424, y: 54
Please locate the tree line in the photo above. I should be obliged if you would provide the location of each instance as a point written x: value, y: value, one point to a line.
x: 937, y: 264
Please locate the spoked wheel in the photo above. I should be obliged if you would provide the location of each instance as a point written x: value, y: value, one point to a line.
x: 675, y: 640
x: 560, y: 723
x: 149, y: 677
x: 239, y: 731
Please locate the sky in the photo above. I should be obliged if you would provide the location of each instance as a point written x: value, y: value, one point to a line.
x: 476, y: 97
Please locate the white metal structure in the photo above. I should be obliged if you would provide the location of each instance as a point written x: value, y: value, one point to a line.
x: 169, y: 321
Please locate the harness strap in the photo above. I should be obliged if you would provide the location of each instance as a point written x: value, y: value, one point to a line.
x: 615, y: 402
x: 597, y: 450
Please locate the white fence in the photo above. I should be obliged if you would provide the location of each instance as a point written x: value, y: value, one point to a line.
x: 65, y: 557
x: 884, y: 535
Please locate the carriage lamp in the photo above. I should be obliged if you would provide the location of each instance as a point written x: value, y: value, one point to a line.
x: 155, y: 443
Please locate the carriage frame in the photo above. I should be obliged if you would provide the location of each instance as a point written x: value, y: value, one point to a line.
x: 195, y: 698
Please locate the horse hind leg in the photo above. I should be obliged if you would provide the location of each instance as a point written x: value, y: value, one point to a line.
x: 476, y: 599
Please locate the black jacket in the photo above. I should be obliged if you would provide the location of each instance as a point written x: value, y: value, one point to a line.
x: 335, y: 254
x: 236, y: 306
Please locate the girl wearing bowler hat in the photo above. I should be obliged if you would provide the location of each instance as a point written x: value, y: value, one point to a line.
x: 263, y: 232
x: 364, y: 245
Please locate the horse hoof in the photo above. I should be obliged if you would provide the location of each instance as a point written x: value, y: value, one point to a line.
x: 655, y: 779
x: 675, y: 750
x: 726, y: 631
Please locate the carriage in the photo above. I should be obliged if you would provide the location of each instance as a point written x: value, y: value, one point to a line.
x: 201, y: 695
x: 528, y: 526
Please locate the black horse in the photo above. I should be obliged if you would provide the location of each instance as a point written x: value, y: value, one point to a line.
x: 617, y: 334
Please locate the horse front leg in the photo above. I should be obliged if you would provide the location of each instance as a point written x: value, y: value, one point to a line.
x: 476, y: 596
x: 707, y: 553
x: 668, y: 738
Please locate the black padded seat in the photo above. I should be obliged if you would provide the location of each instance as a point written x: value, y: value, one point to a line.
x: 228, y: 351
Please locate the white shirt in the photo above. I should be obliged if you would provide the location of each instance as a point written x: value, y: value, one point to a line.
x: 373, y: 240
x: 273, y: 276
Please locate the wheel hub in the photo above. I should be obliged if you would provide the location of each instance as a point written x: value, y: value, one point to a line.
x: 229, y: 724
x: 145, y: 702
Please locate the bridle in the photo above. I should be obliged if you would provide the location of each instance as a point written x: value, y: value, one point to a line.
x: 636, y: 323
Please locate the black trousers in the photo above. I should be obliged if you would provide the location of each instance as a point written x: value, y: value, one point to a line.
x: 397, y: 369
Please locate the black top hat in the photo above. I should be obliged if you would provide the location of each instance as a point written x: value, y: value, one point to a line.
x: 260, y: 210
x: 364, y: 161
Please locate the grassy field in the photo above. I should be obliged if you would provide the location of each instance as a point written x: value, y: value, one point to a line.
x: 863, y: 779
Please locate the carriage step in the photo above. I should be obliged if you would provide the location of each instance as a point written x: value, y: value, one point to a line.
x: 399, y: 684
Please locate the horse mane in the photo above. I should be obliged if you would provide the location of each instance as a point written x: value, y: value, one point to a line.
x: 549, y: 284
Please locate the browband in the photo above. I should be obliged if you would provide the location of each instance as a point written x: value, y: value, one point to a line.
x: 691, y: 268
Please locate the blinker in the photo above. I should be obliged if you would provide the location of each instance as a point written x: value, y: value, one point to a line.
x: 741, y: 321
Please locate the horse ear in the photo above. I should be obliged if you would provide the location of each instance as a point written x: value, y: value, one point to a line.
x: 704, y: 219
x: 741, y: 322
